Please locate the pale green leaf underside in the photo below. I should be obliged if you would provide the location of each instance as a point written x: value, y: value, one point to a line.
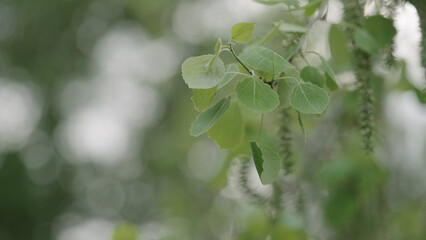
x: 208, y: 118
x: 267, y: 162
x: 202, y: 98
x: 203, y: 72
x: 242, y: 32
x: 263, y: 59
x: 229, y: 129
x: 308, y: 98
x: 256, y: 95
x: 230, y: 73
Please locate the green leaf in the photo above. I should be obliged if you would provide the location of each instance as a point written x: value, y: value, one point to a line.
x: 208, y: 118
x: 125, y: 231
x: 242, y: 32
x: 285, y: 87
x: 365, y: 41
x: 309, y: 98
x: 229, y: 129
x: 421, y: 95
x: 256, y: 95
x: 203, y: 72
x: 267, y: 162
x: 340, y: 209
x: 381, y: 29
x: 339, y: 46
x: 312, y: 6
x: 330, y: 77
x: 218, y: 46
x: 331, y: 82
x: 293, y: 28
x: 270, y: 34
x: 230, y: 73
x: 292, y: 51
x: 263, y: 59
x: 202, y: 98
x: 311, y: 74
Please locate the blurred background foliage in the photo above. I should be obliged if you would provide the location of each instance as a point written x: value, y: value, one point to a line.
x: 94, y: 131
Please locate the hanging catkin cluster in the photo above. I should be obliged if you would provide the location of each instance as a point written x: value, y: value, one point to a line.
x: 252, y: 194
x: 285, y: 138
x: 421, y: 10
x: 353, y: 11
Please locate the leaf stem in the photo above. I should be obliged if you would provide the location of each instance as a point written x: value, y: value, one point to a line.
x: 240, y: 73
x: 303, y: 58
x: 238, y: 59
x: 322, y: 10
x: 297, y: 79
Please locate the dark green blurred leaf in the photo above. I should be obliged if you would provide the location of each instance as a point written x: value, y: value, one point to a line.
x: 228, y: 131
x: 311, y: 74
x: 365, y: 41
x: 340, y: 208
x: 381, y: 29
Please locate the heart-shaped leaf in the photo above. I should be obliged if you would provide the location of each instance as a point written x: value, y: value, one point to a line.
x: 263, y: 59
x: 256, y: 95
x: 309, y: 98
x: 242, y: 32
x: 203, y: 72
